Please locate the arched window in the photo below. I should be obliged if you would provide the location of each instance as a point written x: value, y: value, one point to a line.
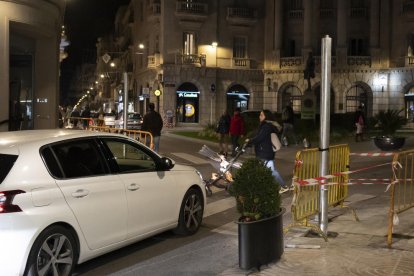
x: 409, y: 104
x: 292, y: 94
x: 237, y: 97
x: 356, y: 96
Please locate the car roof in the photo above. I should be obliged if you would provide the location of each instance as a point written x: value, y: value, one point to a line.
x: 41, y: 137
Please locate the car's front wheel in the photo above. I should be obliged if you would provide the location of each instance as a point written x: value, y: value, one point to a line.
x: 191, y: 213
x: 53, y: 253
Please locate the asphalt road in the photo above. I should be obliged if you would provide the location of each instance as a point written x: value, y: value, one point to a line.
x: 214, y: 248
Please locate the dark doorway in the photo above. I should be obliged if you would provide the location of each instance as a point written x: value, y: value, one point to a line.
x: 237, y: 97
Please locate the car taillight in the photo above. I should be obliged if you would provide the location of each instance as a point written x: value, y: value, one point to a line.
x: 6, y: 201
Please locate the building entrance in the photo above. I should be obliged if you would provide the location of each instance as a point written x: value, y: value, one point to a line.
x: 187, y: 103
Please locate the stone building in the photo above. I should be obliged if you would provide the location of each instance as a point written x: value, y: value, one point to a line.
x: 30, y: 34
x: 207, y: 56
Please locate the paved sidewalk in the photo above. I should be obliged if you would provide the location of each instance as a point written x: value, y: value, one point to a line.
x: 360, y: 247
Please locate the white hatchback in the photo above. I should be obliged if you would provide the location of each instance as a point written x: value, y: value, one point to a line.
x: 67, y: 196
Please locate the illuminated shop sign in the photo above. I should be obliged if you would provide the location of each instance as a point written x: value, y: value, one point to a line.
x: 189, y: 110
x: 187, y: 94
x: 235, y: 93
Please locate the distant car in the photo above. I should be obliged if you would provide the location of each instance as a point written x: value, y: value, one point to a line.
x: 134, y: 121
x: 67, y: 196
x: 109, y: 119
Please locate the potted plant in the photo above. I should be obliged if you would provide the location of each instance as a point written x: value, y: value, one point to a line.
x: 388, y: 122
x: 260, y: 226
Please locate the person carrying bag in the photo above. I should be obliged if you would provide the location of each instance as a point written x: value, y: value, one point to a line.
x: 264, y: 147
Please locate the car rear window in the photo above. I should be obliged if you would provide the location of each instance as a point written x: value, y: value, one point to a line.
x: 6, y: 163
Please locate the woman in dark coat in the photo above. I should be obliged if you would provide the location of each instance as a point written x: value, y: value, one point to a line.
x: 263, y: 145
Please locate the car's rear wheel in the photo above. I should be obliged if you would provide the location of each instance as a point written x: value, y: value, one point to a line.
x: 191, y: 213
x: 53, y: 253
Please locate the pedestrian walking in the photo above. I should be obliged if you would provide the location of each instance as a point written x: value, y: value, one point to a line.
x: 263, y: 146
x: 359, y: 121
x: 236, y: 130
x: 75, y: 115
x: 223, y: 127
x: 152, y: 122
x: 288, y: 125
x: 86, y: 115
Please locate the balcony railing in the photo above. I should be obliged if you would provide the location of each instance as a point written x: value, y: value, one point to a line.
x: 191, y: 7
x: 154, y: 12
x: 241, y: 16
x: 358, y: 12
x: 295, y: 14
x: 191, y: 11
x: 326, y: 13
x: 194, y: 59
x: 291, y: 62
x: 360, y: 61
x: 241, y: 63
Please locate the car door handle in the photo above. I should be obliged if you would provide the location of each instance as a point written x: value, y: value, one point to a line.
x: 80, y: 193
x: 133, y: 187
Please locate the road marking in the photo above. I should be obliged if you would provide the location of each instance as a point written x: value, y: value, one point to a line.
x: 191, y: 158
x: 219, y: 206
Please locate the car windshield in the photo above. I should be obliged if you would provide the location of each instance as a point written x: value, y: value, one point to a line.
x: 6, y: 163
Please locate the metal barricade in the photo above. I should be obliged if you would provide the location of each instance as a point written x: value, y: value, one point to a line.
x: 402, y: 188
x: 144, y: 137
x: 305, y: 202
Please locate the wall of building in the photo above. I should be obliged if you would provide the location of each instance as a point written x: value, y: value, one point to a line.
x: 39, y: 21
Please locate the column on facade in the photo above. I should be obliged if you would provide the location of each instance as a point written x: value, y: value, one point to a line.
x: 307, y: 28
x: 384, y: 39
x: 278, y: 34
x: 374, y: 33
x: 341, y: 49
x: 316, y: 34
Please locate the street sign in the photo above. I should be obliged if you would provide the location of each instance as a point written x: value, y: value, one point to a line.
x: 106, y: 58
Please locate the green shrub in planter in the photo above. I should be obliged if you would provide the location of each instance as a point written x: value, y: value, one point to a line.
x: 256, y: 191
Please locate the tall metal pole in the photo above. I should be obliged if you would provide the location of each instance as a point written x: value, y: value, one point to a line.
x: 125, y: 99
x: 324, y: 129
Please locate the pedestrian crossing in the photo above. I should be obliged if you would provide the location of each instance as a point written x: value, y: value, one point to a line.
x: 191, y: 158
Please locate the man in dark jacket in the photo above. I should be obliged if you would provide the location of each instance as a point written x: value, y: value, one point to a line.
x: 152, y: 122
x: 263, y: 145
x: 288, y: 129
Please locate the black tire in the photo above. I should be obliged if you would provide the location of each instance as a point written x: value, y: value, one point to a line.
x: 60, y: 258
x: 191, y: 213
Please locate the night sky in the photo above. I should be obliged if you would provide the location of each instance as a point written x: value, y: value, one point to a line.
x: 85, y: 21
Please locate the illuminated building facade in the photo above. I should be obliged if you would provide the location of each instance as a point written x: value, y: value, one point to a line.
x: 207, y: 56
x: 30, y: 34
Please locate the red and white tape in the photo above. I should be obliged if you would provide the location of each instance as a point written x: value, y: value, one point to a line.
x: 322, y: 180
x: 372, y: 154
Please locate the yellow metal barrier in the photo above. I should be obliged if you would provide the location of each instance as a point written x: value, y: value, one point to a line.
x: 305, y: 202
x: 139, y: 135
x: 402, y: 189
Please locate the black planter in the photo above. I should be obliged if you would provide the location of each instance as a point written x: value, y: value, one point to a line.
x: 389, y: 143
x: 260, y: 242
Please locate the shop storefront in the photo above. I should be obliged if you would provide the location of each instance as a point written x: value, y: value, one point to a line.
x: 237, y: 97
x: 187, y: 103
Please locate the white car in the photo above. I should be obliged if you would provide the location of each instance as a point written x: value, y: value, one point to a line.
x: 67, y: 196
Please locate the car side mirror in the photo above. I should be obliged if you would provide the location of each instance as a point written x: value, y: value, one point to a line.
x: 167, y: 163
